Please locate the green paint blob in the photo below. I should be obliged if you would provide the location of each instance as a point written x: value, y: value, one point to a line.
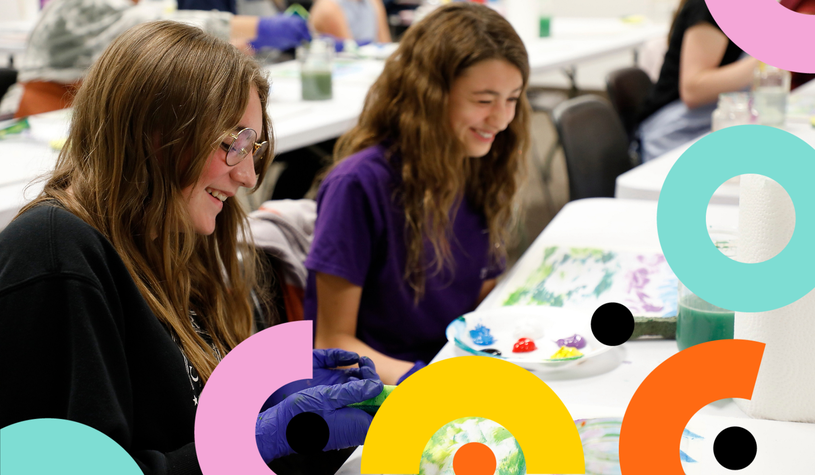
x: 372, y: 405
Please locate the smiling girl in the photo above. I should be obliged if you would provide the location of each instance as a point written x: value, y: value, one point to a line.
x: 412, y: 219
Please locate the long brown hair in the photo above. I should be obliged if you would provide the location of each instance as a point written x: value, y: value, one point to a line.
x: 675, y: 18
x: 408, y: 107
x: 148, y: 115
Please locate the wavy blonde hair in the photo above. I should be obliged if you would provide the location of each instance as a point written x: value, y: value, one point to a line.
x: 148, y: 115
x: 408, y: 108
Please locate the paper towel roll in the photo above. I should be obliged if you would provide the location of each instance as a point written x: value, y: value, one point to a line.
x: 785, y: 388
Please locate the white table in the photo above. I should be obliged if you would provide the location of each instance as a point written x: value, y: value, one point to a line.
x: 577, y: 40
x: 296, y: 124
x: 645, y: 181
x: 603, y: 386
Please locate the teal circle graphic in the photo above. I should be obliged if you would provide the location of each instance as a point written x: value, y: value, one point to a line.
x: 681, y: 212
x: 50, y: 446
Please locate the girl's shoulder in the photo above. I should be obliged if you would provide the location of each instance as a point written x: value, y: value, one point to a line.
x: 369, y: 166
x: 49, y: 240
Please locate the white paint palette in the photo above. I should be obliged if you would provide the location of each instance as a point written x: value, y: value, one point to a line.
x: 544, y: 325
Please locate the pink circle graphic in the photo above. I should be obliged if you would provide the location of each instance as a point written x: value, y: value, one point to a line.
x: 768, y: 31
x: 229, y: 405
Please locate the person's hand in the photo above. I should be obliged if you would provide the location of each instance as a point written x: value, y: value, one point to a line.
x: 281, y: 32
x: 324, y: 372
x: 347, y: 426
x: 416, y: 367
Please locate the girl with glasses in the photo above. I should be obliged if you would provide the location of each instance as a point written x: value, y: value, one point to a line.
x: 120, y: 284
x: 413, y: 217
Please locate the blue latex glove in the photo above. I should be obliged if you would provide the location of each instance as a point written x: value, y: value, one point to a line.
x: 416, y: 367
x: 347, y: 426
x: 281, y: 32
x: 324, y: 374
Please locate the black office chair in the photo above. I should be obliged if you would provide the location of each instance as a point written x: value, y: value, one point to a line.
x: 627, y: 89
x: 8, y: 77
x: 594, y: 144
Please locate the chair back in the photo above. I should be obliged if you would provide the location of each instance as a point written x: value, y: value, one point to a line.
x: 594, y: 144
x: 8, y: 77
x: 627, y: 90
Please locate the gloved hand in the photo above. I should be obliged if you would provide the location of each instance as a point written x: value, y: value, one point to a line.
x: 416, y: 367
x: 325, y: 363
x: 281, y: 32
x: 347, y: 426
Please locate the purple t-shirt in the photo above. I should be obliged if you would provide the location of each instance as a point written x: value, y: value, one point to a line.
x: 360, y: 236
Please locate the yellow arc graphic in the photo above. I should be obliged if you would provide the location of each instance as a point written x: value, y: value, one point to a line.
x: 473, y: 386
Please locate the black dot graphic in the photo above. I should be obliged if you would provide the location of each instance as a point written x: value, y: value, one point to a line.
x: 735, y: 448
x: 307, y: 433
x: 612, y: 324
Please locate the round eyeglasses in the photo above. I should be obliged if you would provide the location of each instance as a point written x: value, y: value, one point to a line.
x: 243, y: 143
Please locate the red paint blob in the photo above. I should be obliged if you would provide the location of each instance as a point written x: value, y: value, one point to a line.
x: 524, y: 345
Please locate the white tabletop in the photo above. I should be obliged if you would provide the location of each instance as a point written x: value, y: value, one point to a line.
x: 576, y: 40
x: 645, y: 181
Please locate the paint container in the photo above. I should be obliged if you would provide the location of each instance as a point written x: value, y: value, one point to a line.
x: 315, y: 69
x: 698, y: 321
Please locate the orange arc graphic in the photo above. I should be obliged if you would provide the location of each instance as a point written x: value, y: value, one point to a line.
x: 674, y: 392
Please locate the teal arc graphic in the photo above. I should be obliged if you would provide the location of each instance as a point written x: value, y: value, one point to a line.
x: 50, y: 446
x: 681, y: 212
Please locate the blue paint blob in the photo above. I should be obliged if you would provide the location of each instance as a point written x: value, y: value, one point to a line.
x: 481, y: 335
x: 574, y: 341
x: 690, y: 435
x: 685, y: 457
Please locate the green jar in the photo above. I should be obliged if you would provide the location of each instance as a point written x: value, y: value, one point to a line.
x: 315, y: 69
x: 698, y: 321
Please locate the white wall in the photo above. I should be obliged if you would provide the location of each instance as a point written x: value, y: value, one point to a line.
x: 17, y: 10
x: 657, y: 10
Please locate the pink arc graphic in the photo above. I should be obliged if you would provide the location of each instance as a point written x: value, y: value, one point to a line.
x: 240, y: 384
x: 768, y: 31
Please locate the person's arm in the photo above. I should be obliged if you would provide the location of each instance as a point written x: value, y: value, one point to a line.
x: 486, y: 288
x: 701, y: 80
x: 243, y: 28
x: 337, y: 307
x: 384, y: 35
x: 327, y: 17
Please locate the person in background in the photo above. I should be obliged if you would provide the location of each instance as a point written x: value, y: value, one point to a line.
x: 701, y: 63
x: 412, y: 219
x: 236, y: 7
x: 71, y: 34
x: 124, y: 283
x: 363, y: 21
x: 806, y: 7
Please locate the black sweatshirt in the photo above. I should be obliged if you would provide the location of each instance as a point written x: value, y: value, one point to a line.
x: 80, y: 343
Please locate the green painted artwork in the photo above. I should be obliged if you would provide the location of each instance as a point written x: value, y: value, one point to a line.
x: 588, y: 277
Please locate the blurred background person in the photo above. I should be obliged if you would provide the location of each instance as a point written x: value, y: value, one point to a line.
x: 71, y: 34
x: 701, y: 63
x: 363, y: 21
